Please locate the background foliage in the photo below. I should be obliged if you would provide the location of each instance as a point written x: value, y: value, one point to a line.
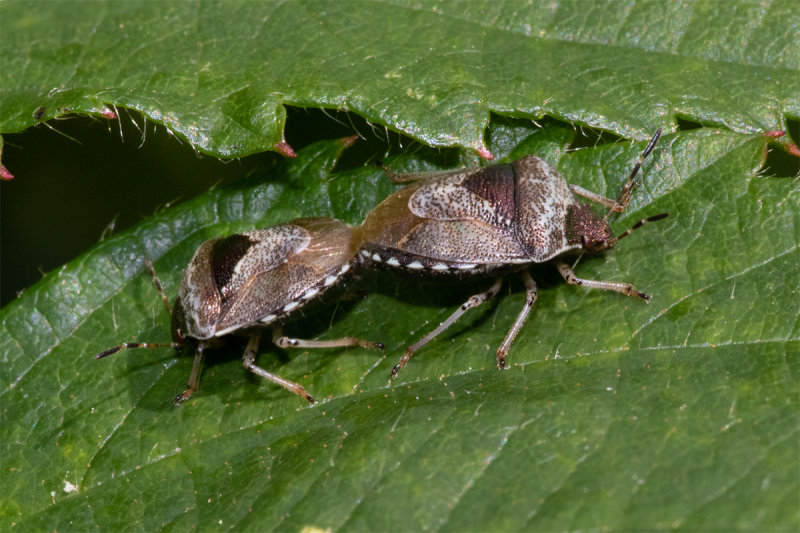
x: 614, y: 415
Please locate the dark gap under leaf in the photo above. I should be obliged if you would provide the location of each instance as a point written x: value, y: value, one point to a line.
x: 684, y: 124
x: 592, y: 138
x: 779, y: 163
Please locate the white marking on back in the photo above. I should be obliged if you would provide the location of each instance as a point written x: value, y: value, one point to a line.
x: 440, y: 267
x: 415, y: 265
x: 310, y: 293
x: 223, y: 332
x: 291, y: 305
x: 330, y: 280
x: 392, y: 261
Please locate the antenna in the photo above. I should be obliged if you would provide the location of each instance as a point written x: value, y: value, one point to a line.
x: 148, y: 264
x: 624, y: 197
x: 638, y: 225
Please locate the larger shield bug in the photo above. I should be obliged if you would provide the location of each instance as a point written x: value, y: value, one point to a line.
x: 489, y: 221
x: 240, y: 283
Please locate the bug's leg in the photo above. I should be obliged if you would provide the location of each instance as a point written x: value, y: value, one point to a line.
x: 407, y: 177
x: 249, y: 358
x: 531, y: 295
x: 472, y: 302
x: 597, y: 198
x: 194, y: 377
x: 283, y: 341
x: 149, y: 266
x: 625, y: 288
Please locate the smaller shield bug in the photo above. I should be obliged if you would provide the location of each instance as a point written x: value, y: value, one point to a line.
x: 490, y: 221
x: 240, y: 283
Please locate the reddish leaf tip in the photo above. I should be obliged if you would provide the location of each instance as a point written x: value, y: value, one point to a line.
x: 108, y: 113
x: 284, y: 149
x: 485, y: 154
x: 788, y: 145
x: 5, y: 175
x: 349, y: 141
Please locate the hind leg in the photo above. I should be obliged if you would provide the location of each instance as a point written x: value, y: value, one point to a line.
x: 471, y: 303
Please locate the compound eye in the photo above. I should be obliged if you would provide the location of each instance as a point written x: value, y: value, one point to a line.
x: 589, y: 243
x: 594, y: 245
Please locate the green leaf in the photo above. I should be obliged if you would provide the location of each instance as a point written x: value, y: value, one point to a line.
x: 614, y: 414
x: 220, y: 74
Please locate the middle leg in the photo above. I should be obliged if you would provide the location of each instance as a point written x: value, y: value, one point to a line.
x: 531, y: 295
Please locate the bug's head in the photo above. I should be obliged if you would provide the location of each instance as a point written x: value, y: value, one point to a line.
x: 593, y: 233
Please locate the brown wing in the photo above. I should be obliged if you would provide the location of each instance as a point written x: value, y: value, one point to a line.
x: 462, y: 241
x: 217, y: 275
x: 267, y: 250
x: 465, y: 218
x: 485, y: 194
x: 304, y: 271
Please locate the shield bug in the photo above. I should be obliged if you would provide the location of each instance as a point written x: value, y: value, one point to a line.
x: 240, y: 283
x: 489, y: 221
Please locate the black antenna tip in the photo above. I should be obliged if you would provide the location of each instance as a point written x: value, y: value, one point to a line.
x: 108, y: 352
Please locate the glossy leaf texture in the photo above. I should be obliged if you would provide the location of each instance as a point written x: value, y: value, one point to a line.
x: 219, y: 74
x: 614, y: 414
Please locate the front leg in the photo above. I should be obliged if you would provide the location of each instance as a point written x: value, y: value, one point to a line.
x: 625, y: 288
x: 249, y: 358
x: 407, y: 177
x: 194, y: 377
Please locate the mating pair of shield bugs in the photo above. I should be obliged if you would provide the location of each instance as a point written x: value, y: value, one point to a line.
x: 486, y: 222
